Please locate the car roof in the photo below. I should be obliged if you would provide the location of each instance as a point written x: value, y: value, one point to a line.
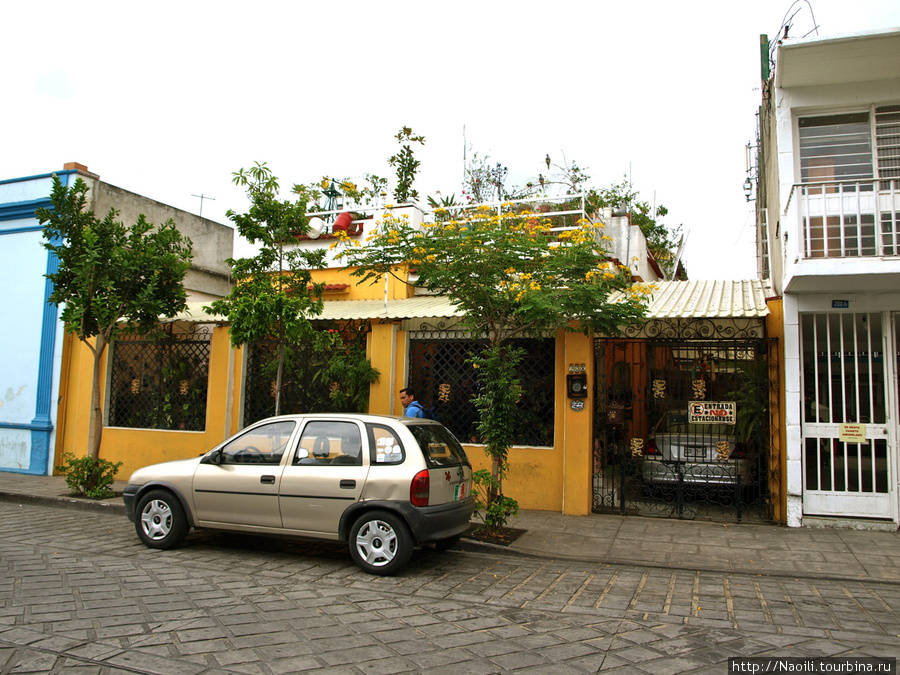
x: 361, y: 417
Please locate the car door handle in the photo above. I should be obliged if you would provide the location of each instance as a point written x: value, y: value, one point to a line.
x: 267, y: 480
x: 348, y: 484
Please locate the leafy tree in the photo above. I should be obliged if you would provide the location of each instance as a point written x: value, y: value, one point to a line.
x: 111, y: 278
x: 512, y: 278
x: 406, y: 165
x: 274, y: 296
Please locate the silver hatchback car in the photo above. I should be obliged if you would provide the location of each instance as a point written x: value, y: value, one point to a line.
x: 384, y: 484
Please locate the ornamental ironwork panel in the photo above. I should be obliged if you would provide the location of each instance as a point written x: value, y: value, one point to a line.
x: 683, y: 428
x: 160, y: 383
x: 443, y: 378
x: 691, y: 328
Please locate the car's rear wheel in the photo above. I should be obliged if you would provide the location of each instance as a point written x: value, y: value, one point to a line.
x: 160, y: 521
x: 380, y: 543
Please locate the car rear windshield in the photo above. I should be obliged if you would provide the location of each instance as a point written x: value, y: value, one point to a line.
x: 439, y: 446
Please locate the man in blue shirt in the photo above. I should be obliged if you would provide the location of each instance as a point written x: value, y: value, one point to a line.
x: 411, y: 407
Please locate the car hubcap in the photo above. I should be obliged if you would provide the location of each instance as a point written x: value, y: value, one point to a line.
x: 376, y: 542
x: 156, y: 519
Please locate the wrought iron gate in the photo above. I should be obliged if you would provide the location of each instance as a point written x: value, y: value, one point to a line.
x: 682, y: 428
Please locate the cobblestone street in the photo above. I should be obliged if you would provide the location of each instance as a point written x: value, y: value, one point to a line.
x: 80, y: 594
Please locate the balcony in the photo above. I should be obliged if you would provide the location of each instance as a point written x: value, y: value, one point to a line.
x: 848, y: 236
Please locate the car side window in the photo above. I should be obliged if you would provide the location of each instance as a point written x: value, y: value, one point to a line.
x: 329, y: 442
x: 386, y: 448
x: 264, y: 444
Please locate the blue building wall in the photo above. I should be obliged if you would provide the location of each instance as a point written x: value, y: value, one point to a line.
x: 30, y: 331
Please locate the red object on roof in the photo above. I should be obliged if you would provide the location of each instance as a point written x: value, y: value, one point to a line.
x: 342, y: 224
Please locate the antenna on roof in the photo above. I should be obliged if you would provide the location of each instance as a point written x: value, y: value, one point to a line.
x: 201, y: 197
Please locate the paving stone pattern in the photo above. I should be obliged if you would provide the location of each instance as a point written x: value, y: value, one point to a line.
x: 80, y: 595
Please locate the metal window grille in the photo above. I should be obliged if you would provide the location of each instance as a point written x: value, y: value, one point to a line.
x: 160, y: 384
x: 887, y: 140
x: 835, y: 147
x: 443, y: 378
x: 303, y: 387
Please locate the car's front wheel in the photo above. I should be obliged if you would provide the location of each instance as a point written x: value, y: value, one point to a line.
x: 160, y: 521
x: 380, y: 543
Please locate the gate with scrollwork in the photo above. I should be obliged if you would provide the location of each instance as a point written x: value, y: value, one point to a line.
x: 682, y: 426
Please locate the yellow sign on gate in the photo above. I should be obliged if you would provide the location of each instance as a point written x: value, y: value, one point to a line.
x: 852, y: 433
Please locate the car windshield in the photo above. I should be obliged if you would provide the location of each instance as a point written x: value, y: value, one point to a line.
x: 439, y: 446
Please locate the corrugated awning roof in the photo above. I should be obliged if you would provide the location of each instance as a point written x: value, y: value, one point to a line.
x: 670, y: 299
x: 708, y: 299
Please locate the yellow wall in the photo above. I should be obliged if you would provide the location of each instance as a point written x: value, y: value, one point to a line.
x: 536, y: 475
x: 359, y: 290
x: 140, y: 447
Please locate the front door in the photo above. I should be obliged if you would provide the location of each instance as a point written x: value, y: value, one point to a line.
x: 242, y: 487
x: 848, y: 442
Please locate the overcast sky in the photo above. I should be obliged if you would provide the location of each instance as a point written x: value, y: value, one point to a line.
x: 167, y: 99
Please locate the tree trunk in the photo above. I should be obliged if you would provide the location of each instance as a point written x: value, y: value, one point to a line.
x: 496, y: 489
x: 95, y: 425
x: 278, y: 378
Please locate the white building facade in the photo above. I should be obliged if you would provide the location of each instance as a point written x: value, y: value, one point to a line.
x: 828, y: 217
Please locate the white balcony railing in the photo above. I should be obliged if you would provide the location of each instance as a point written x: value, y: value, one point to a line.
x: 563, y: 212
x: 846, y: 219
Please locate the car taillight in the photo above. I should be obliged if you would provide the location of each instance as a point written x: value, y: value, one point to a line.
x: 739, y: 452
x: 650, y: 448
x: 418, y: 489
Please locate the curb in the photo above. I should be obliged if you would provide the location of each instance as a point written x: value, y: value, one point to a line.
x: 62, y: 502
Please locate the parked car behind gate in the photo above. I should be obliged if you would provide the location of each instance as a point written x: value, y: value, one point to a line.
x: 384, y: 484
x: 706, y: 454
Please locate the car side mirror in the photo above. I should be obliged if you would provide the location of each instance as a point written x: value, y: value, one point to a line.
x: 214, y: 457
x: 302, y: 453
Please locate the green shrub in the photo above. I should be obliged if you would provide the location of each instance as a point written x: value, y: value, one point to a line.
x: 88, y: 477
x: 495, y: 515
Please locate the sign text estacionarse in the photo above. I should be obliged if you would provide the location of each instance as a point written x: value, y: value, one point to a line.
x: 711, y: 412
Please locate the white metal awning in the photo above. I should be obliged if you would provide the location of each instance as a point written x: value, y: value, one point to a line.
x: 669, y: 299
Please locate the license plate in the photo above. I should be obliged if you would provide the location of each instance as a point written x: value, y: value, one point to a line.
x: 695, y: 453
x: 459, y: 491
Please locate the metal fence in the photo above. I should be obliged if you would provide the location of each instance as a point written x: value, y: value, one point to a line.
x: 443, y: 378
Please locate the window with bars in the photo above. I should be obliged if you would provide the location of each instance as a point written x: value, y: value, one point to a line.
x: 845, y: 159
x: 305, y: 387
x: 887, y: 140
x: 160, y: 384
x: 835, y: 148
x: 443, y: 378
